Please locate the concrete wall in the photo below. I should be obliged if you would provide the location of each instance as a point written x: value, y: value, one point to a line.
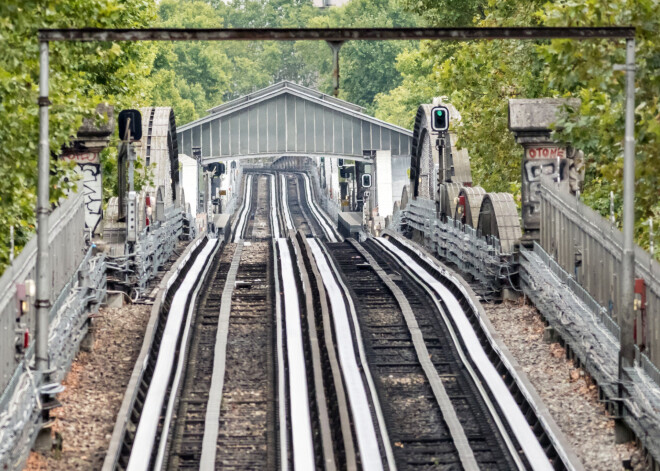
x: 400, y: 166
x: 189, y: 180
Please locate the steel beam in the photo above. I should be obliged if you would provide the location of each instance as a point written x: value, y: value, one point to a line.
x: 332, y: 34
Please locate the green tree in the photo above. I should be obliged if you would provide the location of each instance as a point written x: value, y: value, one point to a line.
x: 190, y: 76
x: 366, y: 67
x: 585, y: 70
x: 480, y: 77
x: 81, y: 76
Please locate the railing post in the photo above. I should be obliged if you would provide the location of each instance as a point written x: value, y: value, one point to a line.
x: 42, y: 302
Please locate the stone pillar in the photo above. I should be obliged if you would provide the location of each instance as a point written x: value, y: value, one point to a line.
x: 531, y: 120
x: 85, y: 150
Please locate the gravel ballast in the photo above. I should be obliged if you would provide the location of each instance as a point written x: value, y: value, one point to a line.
x: 95, y: 388
x: 567, y: 391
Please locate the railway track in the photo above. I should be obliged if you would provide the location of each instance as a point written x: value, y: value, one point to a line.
x: 306, y: 216
x: 294, y: 353
x: 434, y: 413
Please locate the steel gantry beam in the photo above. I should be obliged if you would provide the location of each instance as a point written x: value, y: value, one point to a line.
x: 335, y: 37
x: 333, y: 34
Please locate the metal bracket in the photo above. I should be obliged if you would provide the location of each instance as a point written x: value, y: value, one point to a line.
x: 335, y: 46
x: 45, y: 303
x: 624, y: 67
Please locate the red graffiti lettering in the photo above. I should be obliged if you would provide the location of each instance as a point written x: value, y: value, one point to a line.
x: 540, y: 152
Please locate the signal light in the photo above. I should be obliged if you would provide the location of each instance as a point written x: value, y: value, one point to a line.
x: 440, y: 118
x: 130, y: 121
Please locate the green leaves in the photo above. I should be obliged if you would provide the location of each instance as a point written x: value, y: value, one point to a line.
x: 81, y: 76
x: 479, y: 78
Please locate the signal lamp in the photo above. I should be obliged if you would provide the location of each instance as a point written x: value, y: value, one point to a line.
x: 440, y: 118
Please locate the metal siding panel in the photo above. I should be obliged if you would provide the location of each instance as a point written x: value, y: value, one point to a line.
x: 366, y: 136
x: 234, y: 134
x: 375, y: 137
x: 301, y: 118
x: 262, y: 126
x: 215, y: 137
x: 310, y: 133
x: 291, y: 124
x: 328, y: 148
x: 244, y: 133
x: 196, y: 136
x: 281, y: 119
x: 396, y: 138
x: 357, y: 136
x: 320, y: 144
x: 272, y: 126
x: 224, y: 136
x: 253, y: 139
x: 206, y: 139
x: 187, y: 140
x: 347, y: 124
x: 338, y: 140
x: 385, y: 139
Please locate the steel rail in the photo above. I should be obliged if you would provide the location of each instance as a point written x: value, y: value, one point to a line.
x: 449, y: 415
x: 274, y: 219
x: 512, y: 413
x: 281, y: 369
x: 329, y: 232
x: 299, y: 408
x: 288, y: 220
x: 245, y: 209
x: 324, y: 214
x: 153, y: 403
x: 306, y: 214
x: 525, y: 388
x: 378, y: 411
x: 344, y: 419
x: 117, y: 440
x: 317, y: 368
x: 466, y: 363
x: 358, y: 391
x: 333, y: 34
x: 211, y: 422
x: 162, y: 445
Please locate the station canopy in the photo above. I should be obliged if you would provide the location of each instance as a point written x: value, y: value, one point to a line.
x: 286, y: 119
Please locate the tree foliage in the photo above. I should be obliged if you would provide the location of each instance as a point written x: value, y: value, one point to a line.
x: 390, y: 79
x: 366, y: 67
x: 585, y: 70
x: 205, y: 75
x: 81, y: 76
x: 480, y: 77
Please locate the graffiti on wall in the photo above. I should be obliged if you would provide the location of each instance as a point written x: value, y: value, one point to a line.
x: 89, y: 167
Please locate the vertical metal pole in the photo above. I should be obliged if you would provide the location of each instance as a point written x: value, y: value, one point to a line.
x: 335, y: 46
x: 42, y: 302
x: 11, y: 244
x: 651, y: 237
x: 627, y: 353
